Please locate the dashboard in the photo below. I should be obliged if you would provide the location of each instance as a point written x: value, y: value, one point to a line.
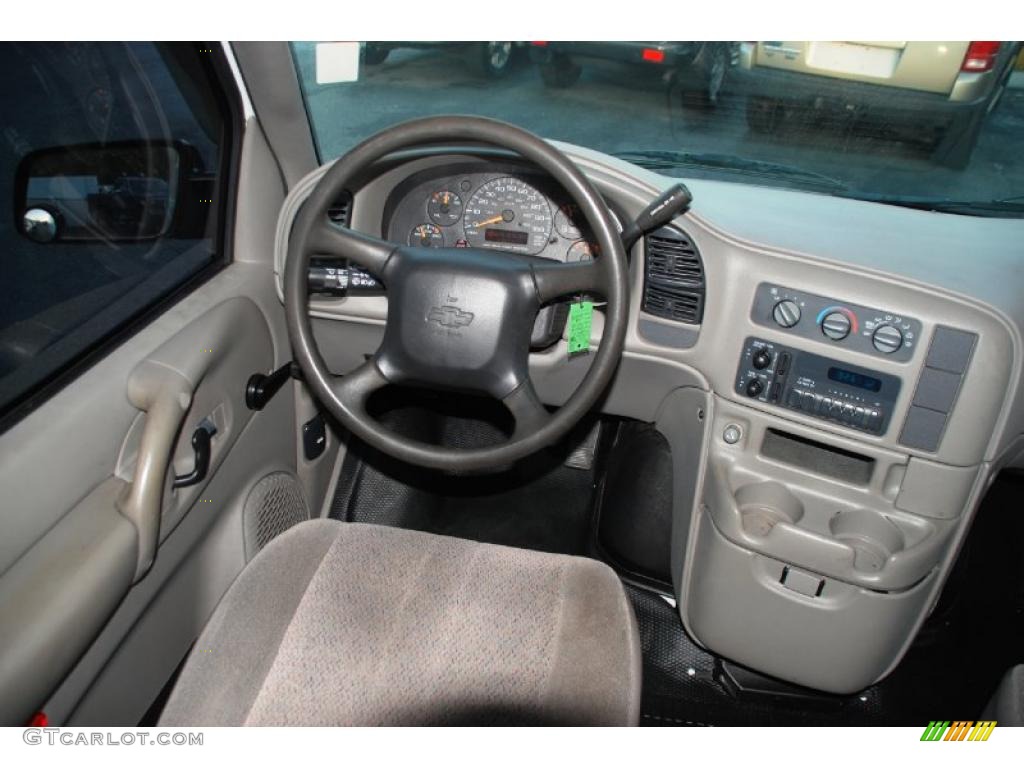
x: 835, y: 409
x: 502, y: 208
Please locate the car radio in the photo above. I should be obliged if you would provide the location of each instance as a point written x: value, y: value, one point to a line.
x: 818, y: 386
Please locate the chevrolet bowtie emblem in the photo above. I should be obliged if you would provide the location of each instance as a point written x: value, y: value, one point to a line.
x: 449, y: 316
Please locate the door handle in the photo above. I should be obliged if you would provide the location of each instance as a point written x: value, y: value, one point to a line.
x: 165, y: 395
x: 201, y: 446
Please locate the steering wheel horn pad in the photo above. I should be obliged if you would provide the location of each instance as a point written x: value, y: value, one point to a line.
x: 458, y: 318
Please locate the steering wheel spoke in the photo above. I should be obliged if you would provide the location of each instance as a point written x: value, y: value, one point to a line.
x: 527, y: 410
x: 556, y: 279
x: 355, y: 388
x: 370, y: 253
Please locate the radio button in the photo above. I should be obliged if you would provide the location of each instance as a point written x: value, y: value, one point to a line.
x: 782, y: 365
x: 874, y: 421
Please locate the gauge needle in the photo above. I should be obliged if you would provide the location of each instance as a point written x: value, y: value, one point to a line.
x: 493, y: 220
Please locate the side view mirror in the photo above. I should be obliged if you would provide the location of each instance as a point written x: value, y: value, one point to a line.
x: 123, y: 191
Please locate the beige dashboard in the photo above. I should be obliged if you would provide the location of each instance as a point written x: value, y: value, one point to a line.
x: 804, y: 546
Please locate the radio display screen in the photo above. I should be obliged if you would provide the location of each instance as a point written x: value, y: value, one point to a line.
x: 853, y: 379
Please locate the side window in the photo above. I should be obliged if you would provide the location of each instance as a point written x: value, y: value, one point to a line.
x: 111, y: 158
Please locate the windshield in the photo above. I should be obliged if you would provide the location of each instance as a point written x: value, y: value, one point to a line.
x: 929, y: 124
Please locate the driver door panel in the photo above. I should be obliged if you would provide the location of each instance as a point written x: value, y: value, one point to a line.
x: 100, y: 597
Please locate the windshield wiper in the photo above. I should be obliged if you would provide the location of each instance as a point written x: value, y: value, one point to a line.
x: 663, y: 159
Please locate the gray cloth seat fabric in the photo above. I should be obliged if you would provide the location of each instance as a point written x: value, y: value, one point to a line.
x: 348, y: 624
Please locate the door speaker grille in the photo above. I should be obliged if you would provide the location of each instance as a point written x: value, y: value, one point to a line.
x: 274, y: 505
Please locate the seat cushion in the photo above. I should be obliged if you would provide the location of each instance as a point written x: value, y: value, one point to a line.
x: 347, y: 624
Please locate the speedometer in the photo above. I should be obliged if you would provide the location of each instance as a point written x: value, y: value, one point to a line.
x: 508, y: 214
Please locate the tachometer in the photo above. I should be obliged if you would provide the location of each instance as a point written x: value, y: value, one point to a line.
x: 508, y: 214
x: 444, y: 207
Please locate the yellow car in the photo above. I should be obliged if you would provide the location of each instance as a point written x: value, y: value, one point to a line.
x: 949, y: 86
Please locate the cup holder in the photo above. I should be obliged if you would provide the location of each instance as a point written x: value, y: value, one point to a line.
x: 873, y: 537
x: 762, y: 506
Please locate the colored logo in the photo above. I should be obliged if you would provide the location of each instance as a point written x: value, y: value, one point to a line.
x: 959, y: 730
x: 450, y: 317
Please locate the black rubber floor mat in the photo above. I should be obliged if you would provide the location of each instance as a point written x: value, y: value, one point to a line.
x: 537, y: 503
x: 684, y: 685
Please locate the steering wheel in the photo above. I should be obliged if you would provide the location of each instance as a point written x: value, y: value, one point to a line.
x: 458, y: 318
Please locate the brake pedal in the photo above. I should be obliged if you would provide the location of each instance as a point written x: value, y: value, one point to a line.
x: 582, y: 456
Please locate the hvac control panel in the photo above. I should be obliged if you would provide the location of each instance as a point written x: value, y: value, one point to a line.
x: 878, y: 332
x: 818, y: 386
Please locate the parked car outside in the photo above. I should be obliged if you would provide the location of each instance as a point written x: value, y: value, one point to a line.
x: 697, y: 69
x: 942, y: 90
x: 493, y: 58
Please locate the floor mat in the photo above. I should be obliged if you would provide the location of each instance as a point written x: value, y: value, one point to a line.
x: 684, y: 685
x: 537, y: 503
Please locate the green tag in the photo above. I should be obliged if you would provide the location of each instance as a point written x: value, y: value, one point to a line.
x: 580, y: 315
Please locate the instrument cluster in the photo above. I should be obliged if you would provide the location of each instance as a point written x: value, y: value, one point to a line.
x: 503, y: 207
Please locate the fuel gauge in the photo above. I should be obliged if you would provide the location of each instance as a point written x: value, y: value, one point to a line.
x: 427, y: 236
x: 444, y: 207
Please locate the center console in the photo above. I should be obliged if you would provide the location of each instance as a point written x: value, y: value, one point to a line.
x: 825, y: 544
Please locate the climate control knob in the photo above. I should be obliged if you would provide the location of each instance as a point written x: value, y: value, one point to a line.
x: 786, y: 313
x: 836, y: 326
x: 887, y: 339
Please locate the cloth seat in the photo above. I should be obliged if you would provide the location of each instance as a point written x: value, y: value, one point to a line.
x: 349, y: 624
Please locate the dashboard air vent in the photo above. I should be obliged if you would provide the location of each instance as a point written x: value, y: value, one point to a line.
x: 341, y: 212
x: 681, y: 307
x: 673, y: 277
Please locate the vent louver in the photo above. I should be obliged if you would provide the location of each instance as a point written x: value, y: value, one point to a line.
x: 673, y: 277
x: 341, y: 212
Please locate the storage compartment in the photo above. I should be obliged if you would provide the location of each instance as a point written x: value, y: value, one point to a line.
x: 824, y: 634
x: 812, y: 456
